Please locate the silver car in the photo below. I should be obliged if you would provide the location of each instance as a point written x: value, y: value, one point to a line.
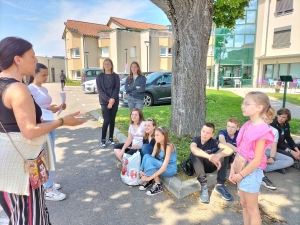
x: 89, y: 86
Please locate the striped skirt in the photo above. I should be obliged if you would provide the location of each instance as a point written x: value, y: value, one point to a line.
x: 26, y: 210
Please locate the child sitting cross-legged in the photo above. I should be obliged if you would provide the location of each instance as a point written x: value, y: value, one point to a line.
x: 163, y: 161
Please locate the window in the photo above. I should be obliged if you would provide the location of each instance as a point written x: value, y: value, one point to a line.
x: 165, y: 51
x: 104, y: 52
x: 268, y: 71
x: 76, y: 75
x: 283, y: 69
x: 75, y: 53
x: 251, y: 16
x: 284, y: 7
x: 282, y: 37
x: 133, y: 52
x: 295, y: 70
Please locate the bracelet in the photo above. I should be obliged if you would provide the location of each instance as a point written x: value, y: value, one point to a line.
x: 61, y: 121
x: 241, y: 175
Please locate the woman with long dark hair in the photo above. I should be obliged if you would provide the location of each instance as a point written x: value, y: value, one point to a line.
x: 108, y: 85
x: 44, y: 100
x: 135, y: 85
x: 21, y: 119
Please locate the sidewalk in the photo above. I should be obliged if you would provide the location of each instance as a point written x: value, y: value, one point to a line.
x: 276, y: 104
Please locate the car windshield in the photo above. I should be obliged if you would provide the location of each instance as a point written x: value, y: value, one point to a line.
x: 151, y: 77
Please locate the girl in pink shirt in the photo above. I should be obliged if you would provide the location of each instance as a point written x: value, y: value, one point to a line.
x: 254, y: 138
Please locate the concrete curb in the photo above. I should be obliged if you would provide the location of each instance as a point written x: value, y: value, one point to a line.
x: 178, y: 188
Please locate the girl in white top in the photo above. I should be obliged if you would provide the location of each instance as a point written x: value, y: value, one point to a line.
x: 44, y: 100
x: 136, y: 133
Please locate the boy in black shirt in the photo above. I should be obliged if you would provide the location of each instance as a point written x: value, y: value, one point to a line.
x: 206, y: 160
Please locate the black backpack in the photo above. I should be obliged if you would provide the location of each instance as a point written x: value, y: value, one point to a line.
x: 187, y: 166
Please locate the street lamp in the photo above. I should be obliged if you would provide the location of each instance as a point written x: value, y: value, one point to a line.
x: 220, y: 43
x: 87, y: 59
x: 147, y: 45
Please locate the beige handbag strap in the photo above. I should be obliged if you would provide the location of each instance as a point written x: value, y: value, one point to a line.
x: 12, y: 141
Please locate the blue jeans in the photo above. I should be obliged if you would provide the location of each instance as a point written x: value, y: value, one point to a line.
x: 146, y: 149
x: 49, y: 183
x: 251, y: 183
x: 151, y: 165
x: 281, y: 161
x: 135, y: 103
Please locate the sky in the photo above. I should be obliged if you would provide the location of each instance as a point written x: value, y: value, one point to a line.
x: 41, y: 22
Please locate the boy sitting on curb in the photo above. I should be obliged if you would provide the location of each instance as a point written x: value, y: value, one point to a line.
x: 206, y: 160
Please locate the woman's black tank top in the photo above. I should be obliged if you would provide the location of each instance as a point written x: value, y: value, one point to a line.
x: 7, y: 116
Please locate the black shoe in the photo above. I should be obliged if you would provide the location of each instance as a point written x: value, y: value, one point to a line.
x: 268, y: 184
x: 145, y: 185
x: 282, y: 171
x: 111, y: 141
x: 103, y: 145
x: 297, y: 165
x: 156, y: 189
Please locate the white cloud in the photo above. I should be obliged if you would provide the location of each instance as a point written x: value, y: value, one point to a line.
x: 49, y: 40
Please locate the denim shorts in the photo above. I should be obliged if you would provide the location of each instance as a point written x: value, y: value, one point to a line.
x: 251, y: 183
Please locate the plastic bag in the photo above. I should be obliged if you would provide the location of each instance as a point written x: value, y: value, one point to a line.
x: 130, y: 172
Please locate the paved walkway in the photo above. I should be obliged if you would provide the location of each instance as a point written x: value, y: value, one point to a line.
x: 277, y: 104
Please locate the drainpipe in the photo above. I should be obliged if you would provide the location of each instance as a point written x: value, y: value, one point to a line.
x: 266, y: 42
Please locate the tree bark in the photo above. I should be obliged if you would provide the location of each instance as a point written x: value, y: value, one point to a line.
x: 191, y: 22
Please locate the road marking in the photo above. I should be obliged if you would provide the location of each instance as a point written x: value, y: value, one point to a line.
x: 83, y: 104
x: 77, y: 98
x: 73, y: 95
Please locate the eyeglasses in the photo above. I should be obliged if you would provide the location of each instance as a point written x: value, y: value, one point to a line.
x: 149, y: 119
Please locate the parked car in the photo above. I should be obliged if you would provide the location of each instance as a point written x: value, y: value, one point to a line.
x: 90, y: 73
x: 158, y: 89
x: 122, y: 81
x: 91, y: 87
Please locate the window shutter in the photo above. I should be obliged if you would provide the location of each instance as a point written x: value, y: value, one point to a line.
x: 279, y: 6
x: 282, y: 38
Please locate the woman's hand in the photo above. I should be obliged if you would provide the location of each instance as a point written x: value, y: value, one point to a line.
x: 145, y: 178
x: 53, y: 108
x: 64, y: 106
x: 111, y: 101
x: 270, y: 161
x: 236, y: 178
x: 296, y: 155
x: 231, y: 175
x: 71, y: 120
x: 142, y: 173
x: 109, y: 106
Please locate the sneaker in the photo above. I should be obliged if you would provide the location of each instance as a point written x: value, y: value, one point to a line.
x: 282, y: 171
x: 156, y: 189
x: 54, y: 195
x: 119, y: 165
x: 111, y: 141
x: 267, y: 183
x: 204, y: 196
x: 103, y: 145
x: 145, y: 185
x: 56, y: 186
x: 221, y: 190
x: 297, y: 165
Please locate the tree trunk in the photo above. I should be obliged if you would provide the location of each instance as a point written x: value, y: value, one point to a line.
x: 191, y: 22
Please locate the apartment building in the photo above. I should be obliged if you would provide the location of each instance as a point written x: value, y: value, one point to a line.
x: 124, y: 41
x: 277, y: 49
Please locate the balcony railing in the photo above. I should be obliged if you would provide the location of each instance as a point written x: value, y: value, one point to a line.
x: 158, y: 33
x: 103, y: 35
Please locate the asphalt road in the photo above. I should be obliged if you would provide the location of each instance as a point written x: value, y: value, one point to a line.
x: 97, y: 196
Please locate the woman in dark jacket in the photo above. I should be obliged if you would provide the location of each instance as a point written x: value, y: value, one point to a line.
x: 108, y: 85
x: 135, y: 87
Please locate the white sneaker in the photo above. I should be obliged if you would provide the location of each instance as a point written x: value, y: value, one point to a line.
x: 56, y: 186
x: 54, y: 195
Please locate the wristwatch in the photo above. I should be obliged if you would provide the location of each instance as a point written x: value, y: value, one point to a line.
x: 272, y: 158
x: 289, y: 150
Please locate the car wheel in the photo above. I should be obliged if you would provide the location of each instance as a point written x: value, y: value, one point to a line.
x: 148, y: 100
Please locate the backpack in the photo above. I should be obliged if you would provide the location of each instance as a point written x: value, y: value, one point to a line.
x: 187, y: 166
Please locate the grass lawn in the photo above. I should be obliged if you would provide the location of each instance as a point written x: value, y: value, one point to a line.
x: 221, y: 106
x: 72, y: 82
x: 291, y: 98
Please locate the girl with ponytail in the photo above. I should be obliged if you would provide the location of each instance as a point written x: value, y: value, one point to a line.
x: 255, y: 136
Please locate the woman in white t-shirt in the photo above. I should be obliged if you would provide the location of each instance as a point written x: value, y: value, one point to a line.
x: 44, y: 100
x: 136, y: 133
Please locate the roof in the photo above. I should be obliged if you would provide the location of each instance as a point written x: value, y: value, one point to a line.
x: 135, y: 24
x: 86, y: 28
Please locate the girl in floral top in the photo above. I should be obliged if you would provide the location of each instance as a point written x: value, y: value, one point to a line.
x: 254, y: 138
